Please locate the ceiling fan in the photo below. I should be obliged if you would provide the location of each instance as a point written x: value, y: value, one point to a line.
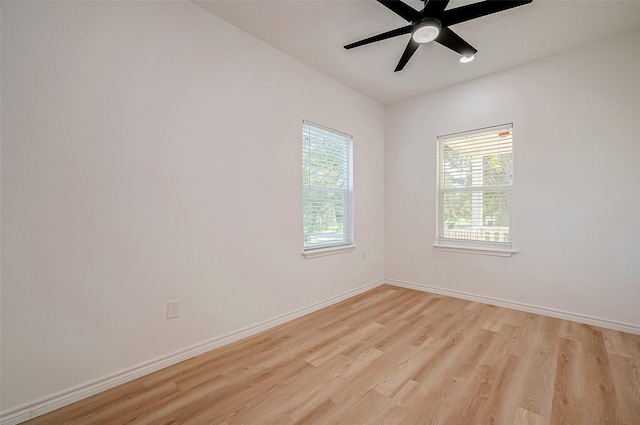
x: 432, y: 24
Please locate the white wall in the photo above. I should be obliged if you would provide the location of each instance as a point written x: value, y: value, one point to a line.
x: 151, y: 151
x: 576, y: 203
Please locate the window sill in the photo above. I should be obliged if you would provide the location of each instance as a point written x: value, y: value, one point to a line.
x: 495, y: 251
x: 321, y: 252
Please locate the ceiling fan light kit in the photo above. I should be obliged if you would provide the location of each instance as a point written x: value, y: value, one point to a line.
x: 426, y: 31
x: 432, y: 24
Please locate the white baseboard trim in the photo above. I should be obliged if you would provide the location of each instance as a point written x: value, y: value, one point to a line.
x: 574, y: 317
x: 55, y: 401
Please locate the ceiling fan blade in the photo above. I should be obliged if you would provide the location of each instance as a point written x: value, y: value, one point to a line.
x: 379, y: 37
x: 476, y: 10
x: 434, y: 8
x: 408, y: 52
x: 450, y: 39
x: 402, y: 9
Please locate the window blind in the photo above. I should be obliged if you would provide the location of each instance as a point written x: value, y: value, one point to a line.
x: 475, y: 175
x: 327, y: 186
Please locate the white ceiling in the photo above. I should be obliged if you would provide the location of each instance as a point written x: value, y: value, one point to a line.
x: 315, y: 31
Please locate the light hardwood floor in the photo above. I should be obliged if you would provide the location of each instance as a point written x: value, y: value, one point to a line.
x: 391, y: 356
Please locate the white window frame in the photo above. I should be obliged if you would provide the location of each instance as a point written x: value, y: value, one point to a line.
x: 343, y: 142
x: 444, y: 241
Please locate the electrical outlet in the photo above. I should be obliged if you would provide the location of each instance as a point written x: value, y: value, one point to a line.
x: 173, y: 309
x: 364, y: 256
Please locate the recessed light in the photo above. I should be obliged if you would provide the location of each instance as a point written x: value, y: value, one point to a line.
x: 466, y: 59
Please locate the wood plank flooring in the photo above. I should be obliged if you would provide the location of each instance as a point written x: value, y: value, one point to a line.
x: 391, y: 356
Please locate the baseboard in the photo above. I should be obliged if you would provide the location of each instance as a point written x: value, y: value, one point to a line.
x: 574, y: 317
x: 64, y: 398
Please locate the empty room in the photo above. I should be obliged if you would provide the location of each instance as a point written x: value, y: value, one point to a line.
x: 320, y: 212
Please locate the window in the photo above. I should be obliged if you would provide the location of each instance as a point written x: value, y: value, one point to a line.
x: 327, y: 187
x: 475, y: 174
